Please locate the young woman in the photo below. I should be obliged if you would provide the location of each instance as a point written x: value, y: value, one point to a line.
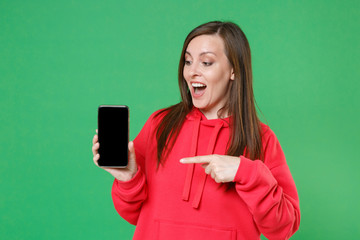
x: 207, y: 168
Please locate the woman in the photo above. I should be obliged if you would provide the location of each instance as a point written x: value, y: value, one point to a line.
x: 207, y: 168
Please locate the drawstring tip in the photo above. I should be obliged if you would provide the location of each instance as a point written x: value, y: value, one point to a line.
x: 188, y: 179
x: 200, y: 191
x: 185, y: 198
x: 196, y: 204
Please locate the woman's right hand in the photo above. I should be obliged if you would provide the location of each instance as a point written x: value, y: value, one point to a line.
x: 122, y: 174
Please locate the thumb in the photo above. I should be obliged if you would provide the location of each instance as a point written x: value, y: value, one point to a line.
x: 132, y: 157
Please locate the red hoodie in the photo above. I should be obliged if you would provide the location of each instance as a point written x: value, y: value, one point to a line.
x: 178, y: 201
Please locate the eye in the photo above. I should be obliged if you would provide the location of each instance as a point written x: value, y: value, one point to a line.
x: 187, y: 62
x: 207, y: 64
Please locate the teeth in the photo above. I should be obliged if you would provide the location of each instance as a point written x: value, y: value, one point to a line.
x: 198, y: 85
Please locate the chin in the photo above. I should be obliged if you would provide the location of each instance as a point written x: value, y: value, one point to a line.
x: 197, y: 105
x: 201, y: 108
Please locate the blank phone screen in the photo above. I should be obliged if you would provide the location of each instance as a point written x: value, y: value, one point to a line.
x: 113, y: 132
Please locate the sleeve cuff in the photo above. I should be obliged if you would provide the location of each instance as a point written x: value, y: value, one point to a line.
x: 137, y: 180
x: 246, y: 170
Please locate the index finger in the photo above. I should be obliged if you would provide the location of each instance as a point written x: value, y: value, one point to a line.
x: 197, y: 159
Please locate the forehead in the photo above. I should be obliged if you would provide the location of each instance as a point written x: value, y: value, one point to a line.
x: 206, y: 43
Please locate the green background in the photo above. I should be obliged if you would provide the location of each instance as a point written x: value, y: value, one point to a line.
x: 59, y: 60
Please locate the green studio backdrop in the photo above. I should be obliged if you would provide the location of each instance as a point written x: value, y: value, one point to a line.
x: 59, y: 60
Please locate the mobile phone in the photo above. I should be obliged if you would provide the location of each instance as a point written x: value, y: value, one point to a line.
x: 113, y: 133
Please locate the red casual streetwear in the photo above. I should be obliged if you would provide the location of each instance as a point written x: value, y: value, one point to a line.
x: 177, y: 201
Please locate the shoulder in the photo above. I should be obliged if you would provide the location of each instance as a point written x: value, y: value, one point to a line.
x: 155, y: 117
x: 149, y: 128
x: 273, y: 153
x: 268, y: 138
x: 158, y: 115
x: 169, y: 114
x: 266, y: 133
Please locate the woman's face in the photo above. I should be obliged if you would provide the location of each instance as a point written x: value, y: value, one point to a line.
x: 208, y: 74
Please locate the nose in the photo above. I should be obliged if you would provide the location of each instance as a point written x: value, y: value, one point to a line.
x: 193, y: 70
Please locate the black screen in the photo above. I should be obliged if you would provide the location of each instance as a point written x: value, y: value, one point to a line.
x: 113, y: 135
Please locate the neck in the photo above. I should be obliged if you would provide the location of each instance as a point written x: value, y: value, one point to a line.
x: 215, y: 114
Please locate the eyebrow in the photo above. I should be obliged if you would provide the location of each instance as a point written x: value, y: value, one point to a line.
x: 203, y: 53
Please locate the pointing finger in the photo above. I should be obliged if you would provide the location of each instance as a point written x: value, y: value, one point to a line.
x: 198, y: 159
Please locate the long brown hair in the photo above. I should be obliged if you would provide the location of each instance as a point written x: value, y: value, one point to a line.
x: 245, y: 137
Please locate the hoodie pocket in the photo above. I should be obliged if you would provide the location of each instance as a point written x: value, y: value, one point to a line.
x: 185, y: 231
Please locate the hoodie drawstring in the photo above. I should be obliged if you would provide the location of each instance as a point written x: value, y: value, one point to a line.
x: 190, y: 170
x: 191, y: 167
x: 210, y: 150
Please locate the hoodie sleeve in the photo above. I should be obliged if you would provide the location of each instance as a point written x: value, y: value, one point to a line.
x: 129, y: 196
x: 269, y: 191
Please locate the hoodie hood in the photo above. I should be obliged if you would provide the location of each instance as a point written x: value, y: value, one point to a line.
x: 216, y: 125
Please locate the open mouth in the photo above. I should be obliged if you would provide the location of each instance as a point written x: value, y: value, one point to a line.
x: 199, y: 88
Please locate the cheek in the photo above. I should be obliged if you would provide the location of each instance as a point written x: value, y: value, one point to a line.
x: 185, y: 73
x: 221, y: 85
x: 217, y: 78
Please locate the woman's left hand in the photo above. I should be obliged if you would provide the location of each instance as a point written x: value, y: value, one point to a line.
x: 221, y: 168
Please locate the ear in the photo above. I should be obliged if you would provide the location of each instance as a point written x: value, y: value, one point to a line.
x: 232, y: 76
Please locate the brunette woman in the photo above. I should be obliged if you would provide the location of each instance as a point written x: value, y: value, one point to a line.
x: 207, y: 168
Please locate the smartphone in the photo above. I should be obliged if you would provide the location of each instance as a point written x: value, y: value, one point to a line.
x: 113, y: 133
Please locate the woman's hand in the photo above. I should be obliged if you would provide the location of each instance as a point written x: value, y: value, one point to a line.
x: 220, y: 167
x: 122, y: 174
